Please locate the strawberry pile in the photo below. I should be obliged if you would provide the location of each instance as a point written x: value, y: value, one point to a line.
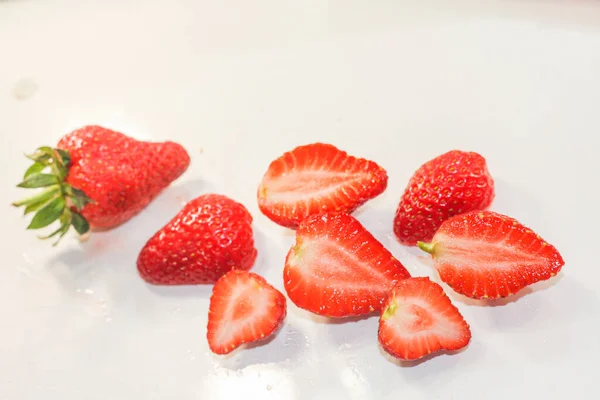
x: 97, y: 179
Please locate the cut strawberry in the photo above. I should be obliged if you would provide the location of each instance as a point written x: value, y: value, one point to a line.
x: 338, y: 269
x: 317, y: 178
x: 486, y: 255
x: 244, y: 308
x: 418, y: 319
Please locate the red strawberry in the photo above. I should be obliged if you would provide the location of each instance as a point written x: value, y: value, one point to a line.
x: 98, y: 177
x: 210, y: 236
x: 243, y: 308
x: 418, y: 319
x: 317, y: 178
x: 453, y: 183
x: 338, y: 269
x: 483, y: 254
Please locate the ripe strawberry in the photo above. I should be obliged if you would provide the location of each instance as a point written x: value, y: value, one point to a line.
x: 418, y: 319
x: 483, y: 254
x: 453, y: 183
x: 317, y: 178
x: 98, y: 178
x: 243, y: 308
x: 338, y: 269
x: 210, y: 236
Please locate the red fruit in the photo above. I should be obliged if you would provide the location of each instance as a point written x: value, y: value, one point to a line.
x: 338, y: 269
x: 243, y: 308
x: 486, y: 255
x: 209, y: 237
x: 453, y: 183
x: 418, y: 319
x: 99, y: 178
x: 317, y: 178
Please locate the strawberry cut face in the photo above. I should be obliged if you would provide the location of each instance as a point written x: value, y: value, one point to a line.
x: 486, y: 255
x: 244, y: 308
x: 317, y: 178
x: 419, y: 319
x: 338, y: 269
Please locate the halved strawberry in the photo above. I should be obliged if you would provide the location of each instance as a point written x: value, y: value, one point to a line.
x: 486, y: 255
x: 317, y: 178
x: 419, y: 319
x: 243, y: 308
x: 338, y: 269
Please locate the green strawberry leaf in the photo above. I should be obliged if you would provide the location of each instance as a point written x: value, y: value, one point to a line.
x: 48, y: 214
x: 79, y: 223
x: 38, y: 181
x: 35, y: 168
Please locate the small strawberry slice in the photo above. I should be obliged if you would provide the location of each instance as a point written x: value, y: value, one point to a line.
x: 244, y: 308
x: 338, y: 269
x: 419, y: 319
x: 486, y: 255
x: 317, y: 178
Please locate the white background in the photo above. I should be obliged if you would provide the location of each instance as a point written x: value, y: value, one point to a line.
x: 238, y: 83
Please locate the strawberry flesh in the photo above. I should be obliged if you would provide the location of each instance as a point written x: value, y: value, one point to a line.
x: 419, y: 319
x: 486, y: 255
x: 317, y: 178
x: 244, y: 308
x: 338, y: 269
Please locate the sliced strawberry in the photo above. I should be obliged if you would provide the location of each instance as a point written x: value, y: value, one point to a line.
x: 243, y: 308
x: 338, y: 269
x: 317, y: 178
x: 486, y: 255
x: 418, y: 319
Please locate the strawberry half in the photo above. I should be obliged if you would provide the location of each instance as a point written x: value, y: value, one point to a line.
x: 244, y: 308
x: 453, y: 183
x: 419, y: 319
x: 317, y: 178
x: 338, y: 269
x: 486, y: 255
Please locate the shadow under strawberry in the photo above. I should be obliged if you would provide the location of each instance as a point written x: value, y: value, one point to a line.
x: 117, y: 249
x: 286, y: 346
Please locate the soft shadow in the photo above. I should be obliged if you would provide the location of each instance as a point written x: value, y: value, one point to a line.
x: 412, y: 364
x: 319, y: 319
x: 287, y: 345
x: 181, y: 291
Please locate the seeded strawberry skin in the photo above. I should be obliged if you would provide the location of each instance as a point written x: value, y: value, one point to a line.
x: 120, y: 174
x: 288, y: 192
x: 450, y: 184
x: 210, y: 236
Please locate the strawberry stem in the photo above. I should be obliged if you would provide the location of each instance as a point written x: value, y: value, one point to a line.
x: 426, y: 247
x: 58, y: 201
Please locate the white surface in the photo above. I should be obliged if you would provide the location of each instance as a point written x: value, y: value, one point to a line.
x: 238, y: 83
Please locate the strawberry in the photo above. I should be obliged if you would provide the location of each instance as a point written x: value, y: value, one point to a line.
x: 453, y: 183
x: 486, y: 255
x: 317, y: 178
x: 98, y: 178
x: 244, y: 308
x: 210, y: 236
x: 418, y: 319
x: 338, y: 269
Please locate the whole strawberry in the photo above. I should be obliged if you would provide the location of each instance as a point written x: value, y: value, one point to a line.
x: 453, y: 183
x: 209, y: 237
x: 98, y: 178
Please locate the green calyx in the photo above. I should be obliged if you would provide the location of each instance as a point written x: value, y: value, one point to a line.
x: 58, y: 200
x: 427, y: 247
